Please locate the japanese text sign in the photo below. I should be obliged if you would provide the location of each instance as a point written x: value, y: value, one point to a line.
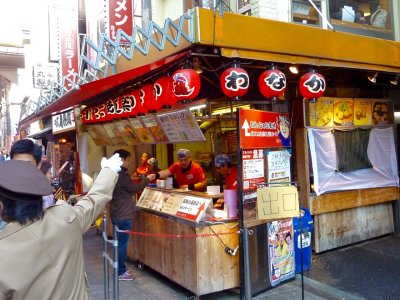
x: 261, y: 129
x: 277, y: 202
x: 120, y: 17
x: 63, y: 122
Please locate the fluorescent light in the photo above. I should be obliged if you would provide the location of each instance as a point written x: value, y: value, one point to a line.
x: 197, y: 107
x: 228, y: 110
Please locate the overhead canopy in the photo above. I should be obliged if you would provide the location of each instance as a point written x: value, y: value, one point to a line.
x: 93, y: 89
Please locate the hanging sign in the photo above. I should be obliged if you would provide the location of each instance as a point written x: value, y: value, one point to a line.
x: 99, y: 135
x: 120, y: 16
x: 127, y: 132
x: 180, y: 127
x: 261, y: 129
x: 153, y: 125
x: 141, y: 131
x: 63, y: 122
x: 277, y: 202
x: 113, y: 133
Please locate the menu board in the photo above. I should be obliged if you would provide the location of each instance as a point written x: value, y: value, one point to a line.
x: 152, y: 123
x: 343, y: 112
x: 253, y: 168
x: 127, y: 132
x: 99, y: 135
x: 142, y: 132
x: 176, y: 204
x: 114, y: 134
x: 348, y: 112
x: 180, y: 127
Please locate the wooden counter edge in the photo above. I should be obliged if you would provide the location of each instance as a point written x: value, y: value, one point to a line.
x: 350, y: 199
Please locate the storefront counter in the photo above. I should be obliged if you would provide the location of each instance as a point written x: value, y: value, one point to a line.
x: 197, y: 261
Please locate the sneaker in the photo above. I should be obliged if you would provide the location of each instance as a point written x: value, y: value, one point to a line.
x: 126, y: 276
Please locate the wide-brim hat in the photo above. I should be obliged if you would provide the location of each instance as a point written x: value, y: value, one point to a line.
x: 21, y: 180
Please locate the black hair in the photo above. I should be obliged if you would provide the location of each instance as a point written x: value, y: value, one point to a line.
x: 123, y: 153
x: 22, y: 211
x: 26, y: 146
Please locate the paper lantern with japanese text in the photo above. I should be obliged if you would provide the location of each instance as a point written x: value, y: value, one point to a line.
x: 163, y: 91
x: 272, y: 83
x: 148, y: 98
x: 186, y: 84
x: 130, y: 102
x: 312, y: 85
x: 234, y: 82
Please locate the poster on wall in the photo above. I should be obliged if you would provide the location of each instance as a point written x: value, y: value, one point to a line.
x: 381, y: 112
x: 152, y: 123
x: 363, y: 112
x: 278, y: 165
x: 321, y: 112
x: 343, y: 112
x: 281, y: 251
x: 262, y: 129
x: 253, y: 168
x: 180, y: 127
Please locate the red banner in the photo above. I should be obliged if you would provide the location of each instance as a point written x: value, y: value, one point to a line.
x: 69, y: 43
x: 120, y: 16
x: 261, y: 129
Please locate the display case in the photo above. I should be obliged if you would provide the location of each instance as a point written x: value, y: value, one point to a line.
x: 200, y: 256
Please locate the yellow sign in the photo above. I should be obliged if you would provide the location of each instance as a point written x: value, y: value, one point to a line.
x: 277, y: 202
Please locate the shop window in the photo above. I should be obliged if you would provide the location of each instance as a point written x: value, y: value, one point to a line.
x: 365, y: 17
x: 351, y: 149
x: 303, y: 12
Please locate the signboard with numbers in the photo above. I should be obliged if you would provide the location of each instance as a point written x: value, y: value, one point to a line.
x: 253, y: 168
x: 180, y: 126
x: 142, y: 132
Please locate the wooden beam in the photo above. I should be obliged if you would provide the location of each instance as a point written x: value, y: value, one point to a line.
x: 352, y: 198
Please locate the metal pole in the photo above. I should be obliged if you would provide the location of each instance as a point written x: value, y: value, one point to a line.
x: 115, y: 266
x: 246, y: 263
x: 105, y: 261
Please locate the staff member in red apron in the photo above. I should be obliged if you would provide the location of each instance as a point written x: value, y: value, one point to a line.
x: 188, y: 174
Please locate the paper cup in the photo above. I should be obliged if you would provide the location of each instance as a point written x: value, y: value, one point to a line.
x: 213, y: 190
x: 230, y: 200
x: 161, y: 183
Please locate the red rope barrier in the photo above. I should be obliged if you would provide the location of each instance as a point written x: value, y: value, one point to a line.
x: 161, y: 235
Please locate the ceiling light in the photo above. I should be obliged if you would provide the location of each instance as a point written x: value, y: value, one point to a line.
x: 395, y: 81
x: 196, y: 107
x: 372, y: 78
x: 228, y: 110
x: 294, y: 69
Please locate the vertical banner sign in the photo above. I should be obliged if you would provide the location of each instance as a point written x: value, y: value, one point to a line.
x: 120, y: 16
x: 261, y: 129
x: 69, y: 42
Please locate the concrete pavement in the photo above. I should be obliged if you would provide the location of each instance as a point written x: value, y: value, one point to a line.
x: 369, y: 270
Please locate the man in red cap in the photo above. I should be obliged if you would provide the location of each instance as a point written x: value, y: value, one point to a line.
x: 42, y: 250
x: 189, y: 174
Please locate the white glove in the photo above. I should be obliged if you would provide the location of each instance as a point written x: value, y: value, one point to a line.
x: 114, y: 163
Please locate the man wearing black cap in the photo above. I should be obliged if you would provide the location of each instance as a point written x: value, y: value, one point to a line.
x: 42, y: 250
x: 189, y: 174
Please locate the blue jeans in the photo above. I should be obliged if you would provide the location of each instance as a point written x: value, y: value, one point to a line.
x: 123, y: 239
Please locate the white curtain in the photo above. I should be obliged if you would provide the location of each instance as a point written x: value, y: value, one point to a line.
x: 381, y: 153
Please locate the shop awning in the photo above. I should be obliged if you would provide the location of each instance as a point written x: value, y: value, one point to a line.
x: 39, y: 133
x: 93, y: 89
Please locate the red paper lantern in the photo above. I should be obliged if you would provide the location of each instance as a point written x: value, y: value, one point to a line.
x: 234, y: 82
x: 312, y: 85
x: 163, y: 91
x: 186, y: 84
x: 129, y: 103
x: 272, y: 83
x: 148, y: 98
